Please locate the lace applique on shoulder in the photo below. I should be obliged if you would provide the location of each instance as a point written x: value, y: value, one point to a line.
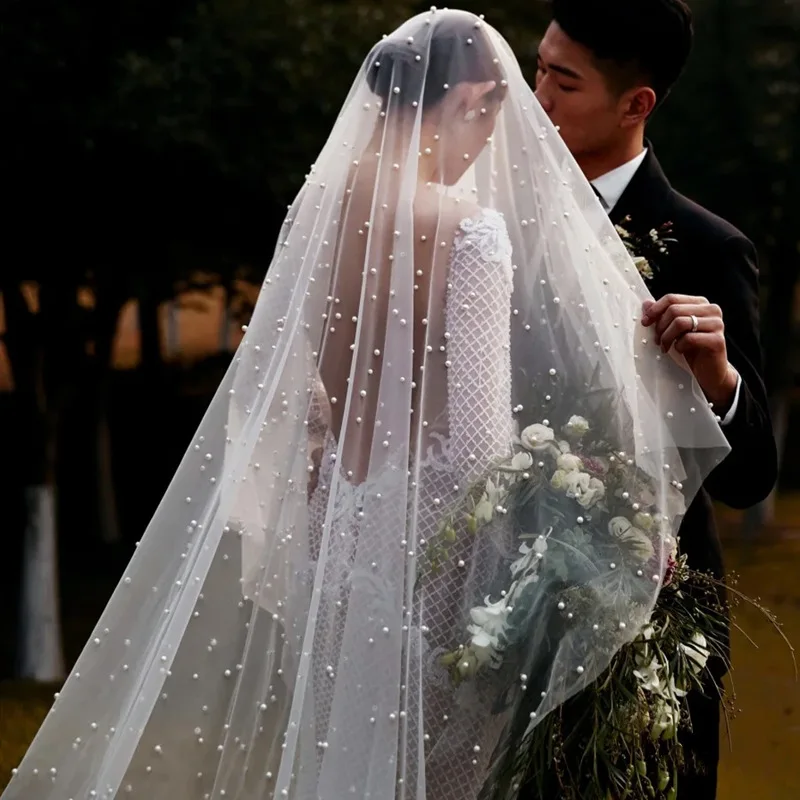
x: 487, y: 234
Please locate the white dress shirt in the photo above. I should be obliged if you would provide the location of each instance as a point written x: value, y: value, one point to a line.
x: 609, y: 188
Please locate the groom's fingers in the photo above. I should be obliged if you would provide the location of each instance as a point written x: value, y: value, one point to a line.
x: 652, y: 310
x: 679, y: 333
x: 673, y: 314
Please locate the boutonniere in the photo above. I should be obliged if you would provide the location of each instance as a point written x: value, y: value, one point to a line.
x: 646, y: 249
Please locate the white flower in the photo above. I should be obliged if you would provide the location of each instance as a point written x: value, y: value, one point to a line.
x: 483, y: 645
x: 643, y: 520
x: 494, y: 491
x: 484, y: 511
x: 643, y: 266
x: 637, y: 540
x: 577, y: 426
x: 490, y: 617
x: 563, y: 447
x: 522, y: 461
x: 665, y: 722
x: 623, y: 234
x: 537, y: 437
x: 530, y: 554
x: 647, y: 632
x: 576, y: 483
x: 697, y: 652
x: 558, y: 478
x: 569, y: 462
x: 492, y: 497
x: 593, y: 494
x: 522, y: 563
x: 673, y: 692
x: 649, y: 677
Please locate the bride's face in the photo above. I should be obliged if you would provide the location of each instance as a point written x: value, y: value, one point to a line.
x: 458, y: 131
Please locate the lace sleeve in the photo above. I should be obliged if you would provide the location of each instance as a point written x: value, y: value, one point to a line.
x: 478, y: 319
x: 319, y: 423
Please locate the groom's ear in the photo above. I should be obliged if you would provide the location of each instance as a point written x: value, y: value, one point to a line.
x: 637, y: 105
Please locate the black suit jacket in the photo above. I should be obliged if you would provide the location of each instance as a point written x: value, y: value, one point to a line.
x: 712, y: 259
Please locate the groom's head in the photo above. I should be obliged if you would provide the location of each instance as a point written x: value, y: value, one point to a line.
x: 605, y: 65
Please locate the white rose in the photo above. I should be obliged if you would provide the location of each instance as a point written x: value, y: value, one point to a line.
x: 576, y: 483
x: 569, y: 462
x: 577, y: 426
x: 637, y: 540
x: 619, y: 526
x: 522, y: 461
x: 593, y: 494
x: 537, y: 437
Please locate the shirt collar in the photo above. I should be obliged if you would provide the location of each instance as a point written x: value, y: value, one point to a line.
x: 610, y: 186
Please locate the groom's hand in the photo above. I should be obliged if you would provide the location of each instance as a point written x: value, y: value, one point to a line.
x: 704, y: 348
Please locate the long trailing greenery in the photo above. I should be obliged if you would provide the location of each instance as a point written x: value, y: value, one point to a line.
x: 618, y: 738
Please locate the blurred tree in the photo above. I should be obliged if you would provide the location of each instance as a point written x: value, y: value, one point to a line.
x: 66, y: 230
x: 249, y: 91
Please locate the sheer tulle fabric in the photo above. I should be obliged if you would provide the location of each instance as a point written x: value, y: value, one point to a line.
x: 272, y: 635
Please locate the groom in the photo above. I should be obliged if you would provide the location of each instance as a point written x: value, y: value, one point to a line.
x: 604, y: 66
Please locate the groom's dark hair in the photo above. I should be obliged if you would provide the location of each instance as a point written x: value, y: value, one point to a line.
x: 632, y: 40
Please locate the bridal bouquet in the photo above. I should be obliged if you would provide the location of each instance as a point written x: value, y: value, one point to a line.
x: 617, y: 736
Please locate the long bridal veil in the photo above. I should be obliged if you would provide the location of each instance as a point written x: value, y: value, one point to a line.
x: 320, y: 605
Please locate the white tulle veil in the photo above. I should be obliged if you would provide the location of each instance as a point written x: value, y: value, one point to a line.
x: 274, y: 633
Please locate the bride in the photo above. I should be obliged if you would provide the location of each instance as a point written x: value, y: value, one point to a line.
x: 446, y: 295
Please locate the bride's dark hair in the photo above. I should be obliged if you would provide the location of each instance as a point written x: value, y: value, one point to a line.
x: 457, y: 51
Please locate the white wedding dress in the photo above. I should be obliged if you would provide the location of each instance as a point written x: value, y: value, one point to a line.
x: 475, y: 428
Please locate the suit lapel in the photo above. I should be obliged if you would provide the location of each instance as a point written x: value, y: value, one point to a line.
x: 646, y: 199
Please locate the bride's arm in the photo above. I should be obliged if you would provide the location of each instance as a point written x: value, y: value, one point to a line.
x: 319, y: 421
x: 478, y: 314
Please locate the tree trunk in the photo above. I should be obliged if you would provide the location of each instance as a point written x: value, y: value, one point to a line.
x: 107, y: 516
x: 225, y: 320
x: 109, y: 302
x: 41, y: 650
x: 39, y: 647
x: 173, y: 339
x: 150, y: 331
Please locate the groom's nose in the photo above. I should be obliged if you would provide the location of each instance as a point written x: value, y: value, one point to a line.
x: 544, y: 96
